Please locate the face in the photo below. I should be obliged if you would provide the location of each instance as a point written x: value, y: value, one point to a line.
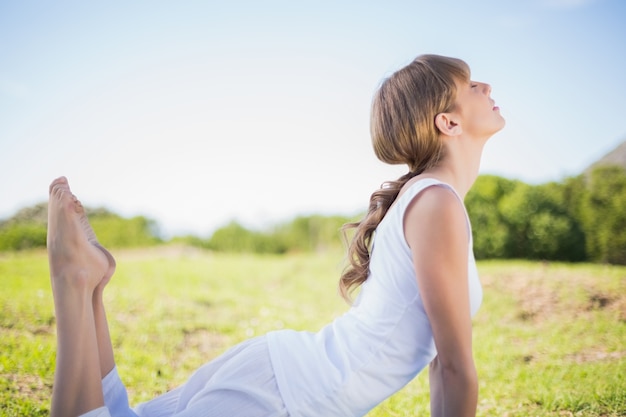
x: 476, y: 110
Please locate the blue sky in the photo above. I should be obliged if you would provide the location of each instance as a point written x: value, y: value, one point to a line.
x: 194, y: 113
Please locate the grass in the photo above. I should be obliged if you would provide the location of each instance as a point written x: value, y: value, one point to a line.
x: 549, y: 339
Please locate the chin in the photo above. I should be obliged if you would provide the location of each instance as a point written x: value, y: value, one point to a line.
x: 502, y: 124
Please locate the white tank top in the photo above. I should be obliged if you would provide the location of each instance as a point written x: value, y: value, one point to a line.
x: 378, y: 345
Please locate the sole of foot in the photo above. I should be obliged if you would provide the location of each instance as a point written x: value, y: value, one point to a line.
x: 75, y: 256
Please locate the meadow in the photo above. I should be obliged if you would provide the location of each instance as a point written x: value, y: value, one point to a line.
x: 549, y: 339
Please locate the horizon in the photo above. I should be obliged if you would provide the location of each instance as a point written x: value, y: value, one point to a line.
x: 276, y: 222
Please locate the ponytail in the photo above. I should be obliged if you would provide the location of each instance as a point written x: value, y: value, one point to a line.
x: 359, y: 248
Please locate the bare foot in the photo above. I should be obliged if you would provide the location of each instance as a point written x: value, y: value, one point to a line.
x: 91, y: 237
x: 75, y: 256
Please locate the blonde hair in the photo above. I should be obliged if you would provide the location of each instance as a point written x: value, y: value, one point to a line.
x: 403, y: 131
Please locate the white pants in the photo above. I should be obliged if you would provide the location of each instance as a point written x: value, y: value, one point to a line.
x: 238, y: 383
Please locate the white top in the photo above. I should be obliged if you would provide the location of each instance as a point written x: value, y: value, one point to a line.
x: 375, y: 348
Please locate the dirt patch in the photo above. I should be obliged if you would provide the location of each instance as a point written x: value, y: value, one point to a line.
x: 28, y: 386
x: 599, y: 301
x: 535, y: 299
x: 547, y: 291
x: 595, y: 355
x: 536, y: 303
x: 614, y: 303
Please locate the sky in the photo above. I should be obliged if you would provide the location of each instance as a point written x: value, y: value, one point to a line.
x: 196, y: 113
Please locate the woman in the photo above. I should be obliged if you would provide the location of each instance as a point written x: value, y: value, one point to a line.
x: 411, y: 256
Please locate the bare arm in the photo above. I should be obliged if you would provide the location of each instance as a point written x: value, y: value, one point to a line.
x: 435, y: 228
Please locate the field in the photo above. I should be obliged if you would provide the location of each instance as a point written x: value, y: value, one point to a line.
x: 549, y: 339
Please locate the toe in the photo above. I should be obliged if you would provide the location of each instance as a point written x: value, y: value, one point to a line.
x: 78, y: 206
x: 57, y: 182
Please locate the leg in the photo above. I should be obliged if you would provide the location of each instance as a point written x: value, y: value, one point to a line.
x: 77, y: 267
x: 105, y: 347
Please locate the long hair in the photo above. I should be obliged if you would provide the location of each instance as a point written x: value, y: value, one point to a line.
x: 403, y: 131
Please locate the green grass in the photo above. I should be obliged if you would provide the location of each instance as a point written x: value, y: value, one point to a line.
x: 549, y: 340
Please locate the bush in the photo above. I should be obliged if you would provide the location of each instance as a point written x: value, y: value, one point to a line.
x: 20, y: 236
x: 490, y: 233
x: 27, y: 229
x: 603, y: 214
x: 540, y: 225
x: 118, y: 232
x: 236, y: 238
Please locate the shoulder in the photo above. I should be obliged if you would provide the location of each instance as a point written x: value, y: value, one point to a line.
x: 436, y: 210
x: 435, y: 200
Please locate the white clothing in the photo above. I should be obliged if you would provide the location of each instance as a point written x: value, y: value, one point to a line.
x: 378, y: 346
x: 98, y: 412
x: 345, y: 369
x: 238, y: 383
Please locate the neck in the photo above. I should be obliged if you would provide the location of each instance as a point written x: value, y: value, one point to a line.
x: 460, y: 165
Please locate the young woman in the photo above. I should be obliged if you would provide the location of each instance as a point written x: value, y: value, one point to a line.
x: 411, y: 256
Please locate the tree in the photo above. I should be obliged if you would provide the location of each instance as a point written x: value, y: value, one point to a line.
x: 603, y: 214
x: 118, y: 232
x: 490, y: 232
x: 315, y: 232
x: 27, y: 229
x: 235, y: 238
x: 20, y: 236
x: 540, y: 225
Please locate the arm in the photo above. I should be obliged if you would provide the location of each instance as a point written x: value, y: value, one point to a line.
x: 436, y: 230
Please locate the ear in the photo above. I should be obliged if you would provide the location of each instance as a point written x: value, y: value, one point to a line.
x: 446, y: 123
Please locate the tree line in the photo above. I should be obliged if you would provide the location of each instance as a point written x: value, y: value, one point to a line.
x: 27, y: 229
x: 581, y: 218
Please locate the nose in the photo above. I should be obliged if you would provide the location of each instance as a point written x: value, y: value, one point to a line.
x: 487, y: 88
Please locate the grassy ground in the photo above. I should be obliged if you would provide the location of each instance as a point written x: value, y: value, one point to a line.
x: 550, y: 339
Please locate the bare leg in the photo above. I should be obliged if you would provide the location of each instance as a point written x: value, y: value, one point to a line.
x: 77, y: 267
x: 105, y: 347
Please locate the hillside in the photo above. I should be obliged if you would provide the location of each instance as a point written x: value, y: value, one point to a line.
x: 615, y: 157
